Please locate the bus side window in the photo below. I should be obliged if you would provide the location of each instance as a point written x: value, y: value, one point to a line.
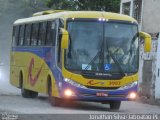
x: 21, y: 35
x: 54, y: 32
x: 27, y: 35
x: 51, y: 33
x: 34, y: 38
x: 42, y: 33
x: 48, y: 41
x: 15, y: 35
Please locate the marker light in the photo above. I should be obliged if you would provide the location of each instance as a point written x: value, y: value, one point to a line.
x: 132, y: 95
x: 68, y: 92
x: 103, y: 19
x: 100, y: 19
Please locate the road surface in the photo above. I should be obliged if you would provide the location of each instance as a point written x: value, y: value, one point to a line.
x: 15, y: 104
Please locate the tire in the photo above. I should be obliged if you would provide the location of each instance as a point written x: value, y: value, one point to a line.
x: 115, y: 105
x: 54, y: 101
x: 24, y: 92
x: 34, y: 94
x: 28, y: 93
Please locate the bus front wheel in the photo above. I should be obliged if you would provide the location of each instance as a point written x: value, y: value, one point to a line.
x: 53, y: 100
x: 115, y: 105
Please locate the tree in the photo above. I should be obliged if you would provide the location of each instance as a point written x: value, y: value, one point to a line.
x: 97, y: 5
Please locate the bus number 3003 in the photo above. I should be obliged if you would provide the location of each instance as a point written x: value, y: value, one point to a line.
x: 114, y: 83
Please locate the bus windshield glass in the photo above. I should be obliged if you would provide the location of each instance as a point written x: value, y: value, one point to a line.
x: 106, y: 47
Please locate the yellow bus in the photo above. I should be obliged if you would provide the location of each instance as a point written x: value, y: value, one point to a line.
x: 77, y: 55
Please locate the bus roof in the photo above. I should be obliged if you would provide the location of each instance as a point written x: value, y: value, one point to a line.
x: 75, y: 14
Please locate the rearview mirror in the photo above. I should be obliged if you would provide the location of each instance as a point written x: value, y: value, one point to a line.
x: 65, y: 39
x: 147, y: 41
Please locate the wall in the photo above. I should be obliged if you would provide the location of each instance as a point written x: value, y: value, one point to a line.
x: 151, y: 17
x: 11, y: 10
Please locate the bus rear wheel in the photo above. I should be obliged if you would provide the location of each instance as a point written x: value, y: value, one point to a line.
x: 53, y: 100
x: 24, y: 92
x: 115, y: 105
x: 34, y: 94
x: 28, y: 93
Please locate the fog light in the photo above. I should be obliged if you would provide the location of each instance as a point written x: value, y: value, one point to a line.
x: 68, y: 92
x: 132, y: 95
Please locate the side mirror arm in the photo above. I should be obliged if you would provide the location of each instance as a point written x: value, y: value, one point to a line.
x: 65, y: 39
x: 147, y: 41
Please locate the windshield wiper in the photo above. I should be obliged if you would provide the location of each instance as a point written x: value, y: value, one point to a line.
x: 116, y: 61
x: 94, y: 58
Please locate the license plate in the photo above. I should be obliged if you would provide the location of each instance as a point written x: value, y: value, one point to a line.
x: 101, y: 94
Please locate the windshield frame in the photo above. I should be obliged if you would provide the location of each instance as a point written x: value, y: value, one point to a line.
x: 103, y: 22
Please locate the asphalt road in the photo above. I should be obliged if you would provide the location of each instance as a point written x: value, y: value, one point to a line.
x: 41, y: 109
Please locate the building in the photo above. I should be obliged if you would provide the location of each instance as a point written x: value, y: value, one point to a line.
x: 146, y: 12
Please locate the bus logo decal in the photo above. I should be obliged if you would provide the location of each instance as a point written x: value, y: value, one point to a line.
x: 91, y: 82
x: 33, y: 79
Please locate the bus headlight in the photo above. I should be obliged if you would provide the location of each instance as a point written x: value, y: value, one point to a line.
x: 68, y: 93
x: 132, y: 95
x: 73, y: 83
x: 129, y: 85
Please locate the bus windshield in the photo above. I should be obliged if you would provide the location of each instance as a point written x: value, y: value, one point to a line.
x: 106, y: 47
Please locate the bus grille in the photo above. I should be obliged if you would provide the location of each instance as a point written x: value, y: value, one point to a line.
x: 109, y: 96
x: 104, y: 88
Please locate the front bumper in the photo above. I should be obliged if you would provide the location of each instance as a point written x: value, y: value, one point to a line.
x: 87, y: 94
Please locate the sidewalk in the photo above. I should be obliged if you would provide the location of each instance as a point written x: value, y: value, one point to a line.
x: 6, y: 93
x: 151, y: 101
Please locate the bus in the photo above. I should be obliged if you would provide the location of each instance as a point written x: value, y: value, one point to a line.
x: 77, y: 55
